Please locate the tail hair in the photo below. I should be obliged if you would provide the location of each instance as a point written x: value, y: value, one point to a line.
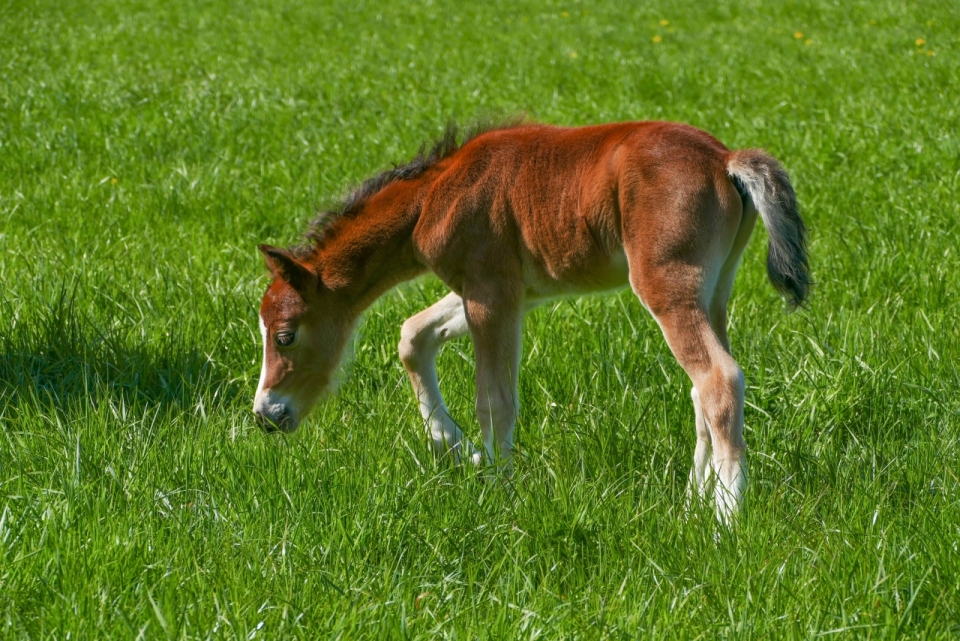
x: 762, y: 181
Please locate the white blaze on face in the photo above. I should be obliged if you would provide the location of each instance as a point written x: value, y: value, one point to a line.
x: 266, y: 402
x: 263, y: 367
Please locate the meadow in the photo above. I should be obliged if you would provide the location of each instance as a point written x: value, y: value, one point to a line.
x: 146, y: 148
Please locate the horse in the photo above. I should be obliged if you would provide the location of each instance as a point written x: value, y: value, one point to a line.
x: 511, y: 215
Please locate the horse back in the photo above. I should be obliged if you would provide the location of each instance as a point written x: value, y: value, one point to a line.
x: 549, y: 208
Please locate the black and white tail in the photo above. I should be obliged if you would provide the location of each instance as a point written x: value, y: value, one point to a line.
x: 763, y: 182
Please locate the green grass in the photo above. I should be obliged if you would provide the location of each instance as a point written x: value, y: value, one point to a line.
x: 146, y: 150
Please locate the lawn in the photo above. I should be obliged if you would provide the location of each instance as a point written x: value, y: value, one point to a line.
x: 147, y: 147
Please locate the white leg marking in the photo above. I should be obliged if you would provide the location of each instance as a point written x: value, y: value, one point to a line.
x: 497, y: 346
x: 497, y: 409
x: 700, y: 473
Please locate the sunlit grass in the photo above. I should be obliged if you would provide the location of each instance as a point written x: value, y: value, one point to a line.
x: 146, y: 150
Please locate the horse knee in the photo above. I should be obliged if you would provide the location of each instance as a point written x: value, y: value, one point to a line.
x: 727, y: 379
x: 721, y: 396
x: 415, y: 344
x: 733, y: 378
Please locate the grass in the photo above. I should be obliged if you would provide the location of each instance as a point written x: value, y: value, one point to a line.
x: 146, y: 150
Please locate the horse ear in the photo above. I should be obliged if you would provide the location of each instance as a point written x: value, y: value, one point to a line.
x: 282, y: 264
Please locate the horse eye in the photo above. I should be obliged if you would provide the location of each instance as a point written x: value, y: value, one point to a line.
x: 284, y: 339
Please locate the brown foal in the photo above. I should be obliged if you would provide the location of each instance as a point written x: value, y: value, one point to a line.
x: 519, y: 214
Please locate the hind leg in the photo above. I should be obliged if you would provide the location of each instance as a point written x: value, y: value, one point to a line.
x: 717, y: 312
x: 684, y: 225
x: 719, y: 385
x: 700, y: 473
x: 421, y: 338
x: 674, y: 295
x: 724, y: 287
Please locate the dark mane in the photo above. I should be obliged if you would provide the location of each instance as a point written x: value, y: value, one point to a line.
x: 452, y: 140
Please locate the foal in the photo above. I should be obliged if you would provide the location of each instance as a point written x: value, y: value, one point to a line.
x: 518, y: 214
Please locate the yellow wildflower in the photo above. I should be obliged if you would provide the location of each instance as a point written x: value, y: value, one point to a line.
x: 657, y: 39
x: 921, y: 42
x: 798, y: 35
x: 664, y: 23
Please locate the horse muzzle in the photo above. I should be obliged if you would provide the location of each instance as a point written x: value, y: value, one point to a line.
x: 274, y: 415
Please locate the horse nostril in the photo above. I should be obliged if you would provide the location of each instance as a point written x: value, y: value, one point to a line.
x: 265, y: 423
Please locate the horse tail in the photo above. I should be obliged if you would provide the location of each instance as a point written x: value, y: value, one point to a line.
x: 763, y: 183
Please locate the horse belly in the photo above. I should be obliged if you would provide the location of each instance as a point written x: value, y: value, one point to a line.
x: 600, y: 273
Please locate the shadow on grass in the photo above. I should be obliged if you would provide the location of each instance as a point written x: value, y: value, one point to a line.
x: 62, y: 357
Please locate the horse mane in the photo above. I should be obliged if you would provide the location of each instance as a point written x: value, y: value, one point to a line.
x: 454, y: 137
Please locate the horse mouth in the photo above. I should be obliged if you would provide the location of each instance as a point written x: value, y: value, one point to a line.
x: 282, y: 422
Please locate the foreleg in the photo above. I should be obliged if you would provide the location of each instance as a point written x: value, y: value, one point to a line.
x: 421, y: 338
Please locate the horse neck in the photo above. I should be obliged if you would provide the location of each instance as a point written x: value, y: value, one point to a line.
x: 367, y: 253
